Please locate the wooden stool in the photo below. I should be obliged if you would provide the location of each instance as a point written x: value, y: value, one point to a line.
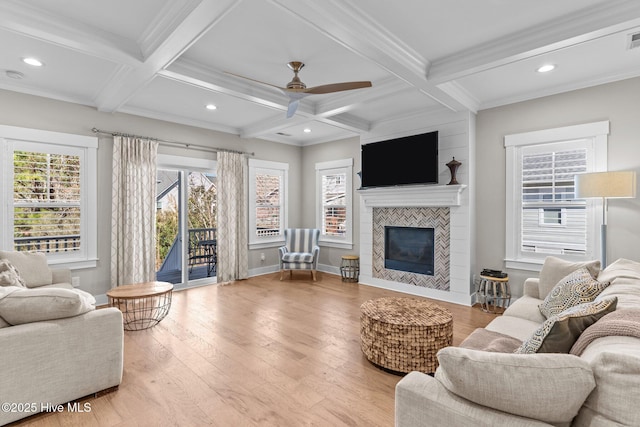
x: 493, y: 294
x: 350, y: 268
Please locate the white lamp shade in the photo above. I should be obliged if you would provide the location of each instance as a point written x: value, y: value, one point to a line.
x: 619, y: 184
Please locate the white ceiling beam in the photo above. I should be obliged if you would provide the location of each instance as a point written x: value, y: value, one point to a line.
x: 353, y: 29
x: 599, y: 21
x: 37, y: 23
x: 202, y: 18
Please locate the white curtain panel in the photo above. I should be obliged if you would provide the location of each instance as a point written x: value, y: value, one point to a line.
x: 233, y: 179
x: 133, y: 211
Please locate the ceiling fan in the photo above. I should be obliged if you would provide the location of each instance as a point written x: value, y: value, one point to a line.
x: 296, y: 89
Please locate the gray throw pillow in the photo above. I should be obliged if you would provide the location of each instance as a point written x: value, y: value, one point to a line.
x: 560, y: 332
x: 9, y: 275
x: 575, y: 288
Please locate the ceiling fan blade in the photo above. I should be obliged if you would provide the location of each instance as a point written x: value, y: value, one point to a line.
x: 257, y: 81
x: 336, y: 87
x: 293, y: 106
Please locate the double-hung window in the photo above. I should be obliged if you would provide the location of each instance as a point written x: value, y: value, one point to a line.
x: 49, y: 195
x: 334, y: 203
x: 268, y: 186
x: 543, y: 215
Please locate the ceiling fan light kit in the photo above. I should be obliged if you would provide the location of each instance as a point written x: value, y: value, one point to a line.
x: 296, y: 89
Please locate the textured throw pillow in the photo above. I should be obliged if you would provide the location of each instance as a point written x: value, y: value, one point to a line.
x: 32, y: 266
x: 560, y: 332
x: 24, y: 305
x: 554, y: 269
x: 576, y: 288
x: 547, y: 387
x: 9, y: 275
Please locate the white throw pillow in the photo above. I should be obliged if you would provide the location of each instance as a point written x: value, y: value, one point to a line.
x: 32, y: 266
x: 23, y: 305
x: 9, y: 275
x: 547, y: 387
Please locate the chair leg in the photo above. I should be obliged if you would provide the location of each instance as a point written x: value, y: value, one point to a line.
x: 313, y: 275
x: 281, y: 274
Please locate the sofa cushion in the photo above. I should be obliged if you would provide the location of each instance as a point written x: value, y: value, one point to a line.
x: 576, y: 288
x: 526, y: 307
x: 555, y: 269
x: 615, y: 362
x: 515, y: 327
x: 297, y: 257
x: 486, y: 340
x: 547, y: 387
x: 32, y: 266
x: 3, y: 323
x: 20, y: 305
x: 624, y: 276
x: 9, y: 275
x: 558, y: 333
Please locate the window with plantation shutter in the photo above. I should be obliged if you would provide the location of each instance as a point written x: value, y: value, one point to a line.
x: 553, y: 220
x: 334, y: 195
x: 46, y: 202
x: 49, y: 199
x: 267, y: 202
x: 543, y: 215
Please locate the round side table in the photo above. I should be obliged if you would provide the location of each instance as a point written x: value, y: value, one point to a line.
x: 350, y: 268
x: 143, y: 305
x: 493, y: 294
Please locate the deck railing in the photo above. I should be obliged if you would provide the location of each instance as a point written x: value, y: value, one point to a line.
x: 48, y: 244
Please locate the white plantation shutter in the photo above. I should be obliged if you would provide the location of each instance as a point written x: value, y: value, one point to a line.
x: 334, y: 214
x: 334, y: 199
x: 268, y: 204
x: 553, y: 220
x: 46, y: 202
x: 268, y: 190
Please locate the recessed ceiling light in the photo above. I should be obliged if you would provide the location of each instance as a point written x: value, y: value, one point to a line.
x: 546, y: 68
x: 307, y: 130
x: 33, y: 62
x: 211, y: 107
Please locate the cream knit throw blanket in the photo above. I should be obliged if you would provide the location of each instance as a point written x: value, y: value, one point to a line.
x: 622, y: 322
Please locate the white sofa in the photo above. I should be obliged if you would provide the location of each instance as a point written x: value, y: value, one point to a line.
x: 57, y: 360
x: 600, y: 387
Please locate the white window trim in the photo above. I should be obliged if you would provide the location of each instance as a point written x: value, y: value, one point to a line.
x: 257, y: 166
x: 596, y: 133
x: 88, y: 187
x: 327, y: 168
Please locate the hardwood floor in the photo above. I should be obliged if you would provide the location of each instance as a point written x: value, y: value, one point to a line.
x: 257, y: 352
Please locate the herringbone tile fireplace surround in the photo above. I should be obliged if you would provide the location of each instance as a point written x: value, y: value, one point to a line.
x: 436, y: 218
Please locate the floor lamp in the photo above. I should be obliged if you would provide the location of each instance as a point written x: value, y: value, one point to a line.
x: 605, y: 185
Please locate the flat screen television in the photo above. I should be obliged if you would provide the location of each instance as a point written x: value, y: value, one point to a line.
x: 401, y: 161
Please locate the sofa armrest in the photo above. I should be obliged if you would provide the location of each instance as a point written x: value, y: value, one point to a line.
x: 61, y: 360
x: 422, y: 400
x: 61, y: 275
x: 532, y: 287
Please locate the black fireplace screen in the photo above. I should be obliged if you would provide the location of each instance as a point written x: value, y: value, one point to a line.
x: 409, y: 249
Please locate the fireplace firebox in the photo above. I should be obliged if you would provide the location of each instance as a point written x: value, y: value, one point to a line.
x: 409, y: 249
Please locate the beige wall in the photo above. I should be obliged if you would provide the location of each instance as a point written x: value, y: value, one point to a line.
x: 336, y: 150
x: 47, y: 114
x: 617, y: 102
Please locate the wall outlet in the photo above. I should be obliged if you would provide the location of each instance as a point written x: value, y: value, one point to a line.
x: 75, y: 281
x: 262, y: 257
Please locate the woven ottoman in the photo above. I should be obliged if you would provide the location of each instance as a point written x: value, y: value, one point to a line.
x: 404, y: 334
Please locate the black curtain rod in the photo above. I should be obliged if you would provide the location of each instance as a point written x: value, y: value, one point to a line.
x: 173, y: 143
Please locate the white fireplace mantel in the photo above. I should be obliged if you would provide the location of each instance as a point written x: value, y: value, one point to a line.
x: 412, y: 196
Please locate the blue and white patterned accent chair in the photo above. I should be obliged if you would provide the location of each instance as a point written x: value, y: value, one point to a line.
x: 300, y: 250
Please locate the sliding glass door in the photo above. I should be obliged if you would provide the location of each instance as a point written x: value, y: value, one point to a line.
x: 186, y: 239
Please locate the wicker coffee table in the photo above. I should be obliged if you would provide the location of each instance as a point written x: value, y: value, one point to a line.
x: 143, y: 305
x: 404, y: 334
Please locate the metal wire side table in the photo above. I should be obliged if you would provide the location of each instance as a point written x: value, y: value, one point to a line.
x: 143, y: 305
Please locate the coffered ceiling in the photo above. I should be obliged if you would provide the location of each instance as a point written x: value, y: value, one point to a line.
x: 168, y: 59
